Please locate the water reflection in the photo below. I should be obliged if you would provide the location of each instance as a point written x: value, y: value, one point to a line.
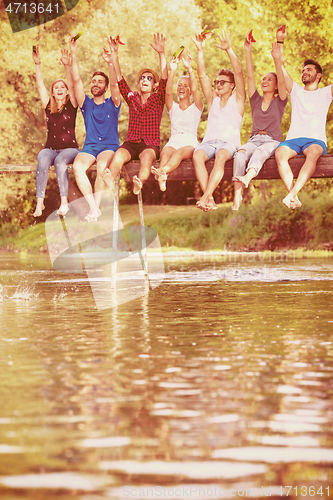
x: 218, y: 378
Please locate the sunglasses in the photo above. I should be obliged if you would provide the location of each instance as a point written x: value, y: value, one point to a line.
x: 221, y: 82
x: 144, y: 77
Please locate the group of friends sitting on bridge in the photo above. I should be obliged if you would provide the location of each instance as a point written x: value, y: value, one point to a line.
x: 225, y: 102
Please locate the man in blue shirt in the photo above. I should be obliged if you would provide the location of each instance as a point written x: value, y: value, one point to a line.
x: 101, y: 120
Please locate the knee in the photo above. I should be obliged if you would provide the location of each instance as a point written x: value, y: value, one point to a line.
x: 222, y: 156
x: 118, y: 160
x: 43, y: 162
x: 314, y: 152
x: 77, y: 167
x: 60, y: 165
x: 240, y: 157
x: 280, y: 155
x: 198, y: 158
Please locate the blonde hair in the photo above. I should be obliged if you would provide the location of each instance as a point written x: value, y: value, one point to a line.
x: 53, y: 105
x: 183, y: 76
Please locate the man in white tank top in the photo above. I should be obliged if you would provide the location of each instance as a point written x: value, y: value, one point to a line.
x: 307, y: 134
x: 225, y: 115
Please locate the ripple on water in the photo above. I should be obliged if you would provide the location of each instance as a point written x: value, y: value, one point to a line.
x: 246, y: 273
x: 275, y: 454
x: 58, y: 480
x: 189, y: 469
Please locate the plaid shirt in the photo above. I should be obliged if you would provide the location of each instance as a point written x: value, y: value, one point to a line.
x: 144, y: 119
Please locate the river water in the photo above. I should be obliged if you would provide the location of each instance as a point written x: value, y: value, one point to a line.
x: 215, y: 384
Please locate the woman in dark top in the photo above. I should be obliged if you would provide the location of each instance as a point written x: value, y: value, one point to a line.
x: 267, y: 111
x: 61, y: 147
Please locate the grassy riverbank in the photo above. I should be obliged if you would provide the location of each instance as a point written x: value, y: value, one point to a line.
x: 256, y: 227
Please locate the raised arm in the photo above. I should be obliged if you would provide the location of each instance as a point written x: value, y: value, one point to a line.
x: 169, y: 85
x: 158, y: 46
x: 251, y: 83
x: 281, y: 34
x: 277, y: 56
x: 225, y: 44
x: 193, y: 82
x: 113, y: 44
x: 78, y: 85
x: 43, y: 94
x: 205, y: 84
x: 65, y: 58
x: 108, y: 56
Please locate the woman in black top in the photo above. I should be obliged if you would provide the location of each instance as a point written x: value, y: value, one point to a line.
x: 61, y: 147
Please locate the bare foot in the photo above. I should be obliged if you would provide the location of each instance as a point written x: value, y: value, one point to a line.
x: 162, y: 178
x: 39, y: 209
x: 291, y: 202
x: 92, y: 215
x: 200, y: 205
x: 237, y: 200
x: 63, y: 209
x: 295, y: 203
x: 286, y: 201
x: 211, y: 205
x: 137, y: 185
x: 206, y: 204
x: 155, y: 171
x: 243, y: 180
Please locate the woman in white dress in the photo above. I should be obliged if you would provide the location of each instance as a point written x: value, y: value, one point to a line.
x: 184, y: 118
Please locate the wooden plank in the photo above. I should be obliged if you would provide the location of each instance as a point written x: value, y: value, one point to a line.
x: 185, y: 171
x: 18, y: 169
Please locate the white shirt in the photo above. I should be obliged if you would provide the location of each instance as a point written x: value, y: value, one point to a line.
x: 224, y: 124
x: 309, y: 112
x: 184, y: 121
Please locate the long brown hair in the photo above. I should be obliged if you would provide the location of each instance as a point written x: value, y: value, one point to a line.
x: 53, y: 105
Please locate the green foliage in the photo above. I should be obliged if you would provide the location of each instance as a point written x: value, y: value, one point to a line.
x: 22, y: 121
x: 259, y: 226
x: 309, y: 35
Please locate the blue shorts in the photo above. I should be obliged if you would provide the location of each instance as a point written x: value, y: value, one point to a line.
x: 95, y: 150
x: 212, y: 147
x: 302, y: 143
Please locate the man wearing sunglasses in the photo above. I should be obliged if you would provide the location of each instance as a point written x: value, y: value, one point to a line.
x: 145, y: 113
x: 225, y: 115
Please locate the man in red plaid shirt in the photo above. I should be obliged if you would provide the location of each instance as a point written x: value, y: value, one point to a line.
x: 145, y: 113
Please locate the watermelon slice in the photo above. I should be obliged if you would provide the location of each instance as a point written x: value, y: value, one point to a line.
x: 250, y: 37
x: 177, y: 55
x: 205, y: 33
x: 77, y: 36
x: 119, y: 41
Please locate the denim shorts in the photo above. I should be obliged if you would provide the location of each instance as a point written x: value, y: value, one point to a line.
x: 301, y: 143
x: 212, y: 147
x: 95, y: 150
